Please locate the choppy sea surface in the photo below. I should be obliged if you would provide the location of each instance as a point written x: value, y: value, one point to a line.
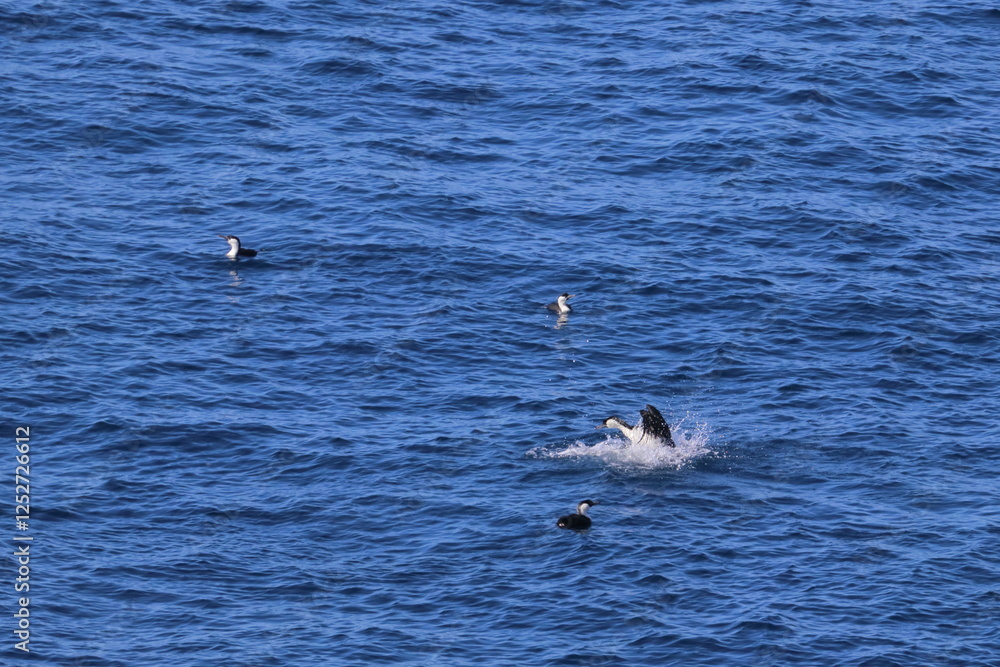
x: 779, y: 220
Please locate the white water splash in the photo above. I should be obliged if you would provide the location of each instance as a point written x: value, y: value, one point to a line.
x: 620, y: 453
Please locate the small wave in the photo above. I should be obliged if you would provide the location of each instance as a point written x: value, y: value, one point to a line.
x: 620, y: 453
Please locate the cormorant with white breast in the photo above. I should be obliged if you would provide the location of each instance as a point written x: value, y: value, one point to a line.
x: 580, y: 520
x: 560, y: 306
x: 652, y: 429
x: 237, y: 250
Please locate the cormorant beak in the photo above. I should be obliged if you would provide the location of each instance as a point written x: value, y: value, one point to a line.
x: 599, y: 426
x: 222, y: 236
x: 570, y: 296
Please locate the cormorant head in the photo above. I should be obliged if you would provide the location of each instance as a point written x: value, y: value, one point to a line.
x: 585, y: 505
x: 232, y: 239
x: 612, y: 422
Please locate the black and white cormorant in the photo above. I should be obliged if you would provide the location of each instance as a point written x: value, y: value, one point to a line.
x: 237, y: 250
x: 652, y: 429
x: 580, y: 520
x: 560, y: 306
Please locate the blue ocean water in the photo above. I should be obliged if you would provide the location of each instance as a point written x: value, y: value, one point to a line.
x: 779, y: 219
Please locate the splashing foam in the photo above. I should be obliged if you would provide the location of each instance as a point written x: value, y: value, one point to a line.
x: 620, y: 453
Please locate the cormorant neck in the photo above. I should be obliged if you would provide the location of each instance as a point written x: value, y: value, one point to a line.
x: 621, y: 426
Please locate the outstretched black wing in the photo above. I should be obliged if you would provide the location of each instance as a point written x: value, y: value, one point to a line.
x: 653, y: 422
